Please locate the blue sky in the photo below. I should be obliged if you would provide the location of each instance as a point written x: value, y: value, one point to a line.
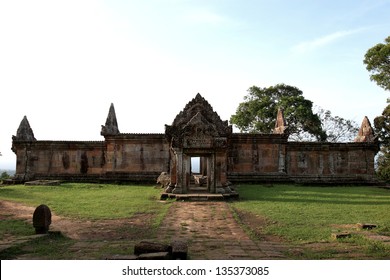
x: 62, y: 63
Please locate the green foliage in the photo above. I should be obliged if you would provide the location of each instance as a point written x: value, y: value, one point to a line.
x: 377, y: 60
x: 382, y: 126
x: 4, y: 175
x: 258, y: 112
x: 382, y: 129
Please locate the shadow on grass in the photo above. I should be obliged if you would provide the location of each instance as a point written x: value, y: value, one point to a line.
x: 53, y: 246
x: 328, y: 195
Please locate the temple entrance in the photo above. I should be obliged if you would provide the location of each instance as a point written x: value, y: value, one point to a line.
x: 199, y: 180
x: 199, y: 142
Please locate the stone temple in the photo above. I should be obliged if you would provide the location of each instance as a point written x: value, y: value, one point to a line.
x: 196, y: 133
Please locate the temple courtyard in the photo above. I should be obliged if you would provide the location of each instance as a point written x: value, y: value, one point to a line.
x: 281, y: 222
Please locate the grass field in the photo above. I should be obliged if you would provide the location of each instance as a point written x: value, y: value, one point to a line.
x: 89, y: 201
x: 311, y: 213
x: 298, y: 214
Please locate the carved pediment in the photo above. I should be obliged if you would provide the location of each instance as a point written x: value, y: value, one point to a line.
x: 197, y: 123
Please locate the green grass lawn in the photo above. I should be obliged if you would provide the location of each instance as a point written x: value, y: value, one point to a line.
x: 311, y: 214
x: 80, y: 201
x: 301, y: 215
x: 89, y: 201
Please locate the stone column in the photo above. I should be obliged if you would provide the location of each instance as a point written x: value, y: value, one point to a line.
x: 173, y: 171
x: 282, y: 159
x: 186, y: 173
x: 179, y: 173
x: 211, y: 173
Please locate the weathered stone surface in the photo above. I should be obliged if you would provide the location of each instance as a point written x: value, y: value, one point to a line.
x: 43, y: 183
x: 280, y: 124
x: 24, y: 132
x: 200, y: 180
x: 111, y: 126
x: 366, y: 133
x: 164, y: 179
x: 340, y: 235
x: 121, y: 257
x: 42, y: 219
x: 179, y: 249
x: 155, y: 256
x: 145, y: 247
x: 197, y: 131
x: 366, y: 226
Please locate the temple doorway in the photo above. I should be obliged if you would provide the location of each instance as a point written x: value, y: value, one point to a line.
x: 199, y: 180
x: 199, y: 143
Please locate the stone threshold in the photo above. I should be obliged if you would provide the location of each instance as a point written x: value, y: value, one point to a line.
x: 200, y: 196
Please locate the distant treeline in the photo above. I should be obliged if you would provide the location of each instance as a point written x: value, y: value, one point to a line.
x: 8, y: 171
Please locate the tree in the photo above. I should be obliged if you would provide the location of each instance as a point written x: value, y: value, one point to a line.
x: 382, y: 129
x: 337, y: 128
x: 4, y: 176
x: 377, y: 60
x: 258, y: 111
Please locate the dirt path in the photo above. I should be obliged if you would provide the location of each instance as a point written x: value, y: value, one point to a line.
x: 209, y: 227
x: 213, y: 233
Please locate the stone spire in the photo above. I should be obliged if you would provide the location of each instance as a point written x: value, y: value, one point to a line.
x: 111, y: 127
x: 280, y: 125
x: 24, y: 132
x: 366, y: 133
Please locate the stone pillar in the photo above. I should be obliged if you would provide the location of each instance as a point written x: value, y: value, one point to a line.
x: 179, y: 173
x: 186, y: 173
x: 282, y: 159
x: 172, y: 171
x: 211, y: 173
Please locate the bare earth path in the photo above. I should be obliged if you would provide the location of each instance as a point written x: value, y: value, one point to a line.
x: 209, y: 228
x: 213, y: 233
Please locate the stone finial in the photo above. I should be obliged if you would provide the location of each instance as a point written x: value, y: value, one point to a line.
x: 366, y: 133
x: 111, y: 127
x: 280, y: 125
x: 24, y: 132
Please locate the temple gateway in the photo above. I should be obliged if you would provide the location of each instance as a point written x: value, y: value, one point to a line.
x: 196, y: 134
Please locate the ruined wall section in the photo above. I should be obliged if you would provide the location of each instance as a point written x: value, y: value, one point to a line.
x: 331, y: 162
x: 136, y: 157
x: 66, y: 160
x: 257, y: 157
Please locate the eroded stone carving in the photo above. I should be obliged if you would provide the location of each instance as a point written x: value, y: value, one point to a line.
x: 24, y: 132
x: 280, y: 125
x: 164, y: 179
x: 111, y: 126
x: 196, y: 125
x: 366, y: 133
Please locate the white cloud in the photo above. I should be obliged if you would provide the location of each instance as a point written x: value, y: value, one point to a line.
x: 324, y: 40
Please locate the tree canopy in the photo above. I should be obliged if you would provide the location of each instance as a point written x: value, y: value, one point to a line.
x: 377, y: 60
x: 337, y: 128
x: 258, y: 111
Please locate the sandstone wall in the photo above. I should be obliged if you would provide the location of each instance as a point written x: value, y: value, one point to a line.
x: 58, y: 159
x: 343, y: 162
x: 270, y: 158
x: 250, y: 158
x: 136, y: 157
x: 256, y: 157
